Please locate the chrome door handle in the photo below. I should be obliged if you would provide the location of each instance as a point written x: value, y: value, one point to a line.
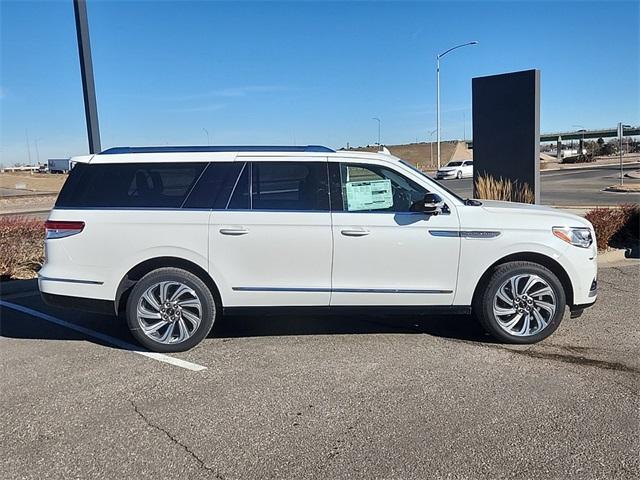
x: 234, y: 231
x: 355, y: 233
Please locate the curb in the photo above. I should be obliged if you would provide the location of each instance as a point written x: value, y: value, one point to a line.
x: 589, y: 167
x: 614, y: 189
x: 615, y: 256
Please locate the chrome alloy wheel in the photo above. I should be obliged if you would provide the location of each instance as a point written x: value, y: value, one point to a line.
x: 524, y: 305
x: 169, y: 312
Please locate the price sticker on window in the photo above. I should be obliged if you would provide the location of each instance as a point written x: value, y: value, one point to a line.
x: 370, y: 195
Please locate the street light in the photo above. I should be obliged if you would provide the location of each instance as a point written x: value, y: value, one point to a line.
x: 438, y: 87
x: 378, y: 120
x: 431, y: 145
x: 207, y: 132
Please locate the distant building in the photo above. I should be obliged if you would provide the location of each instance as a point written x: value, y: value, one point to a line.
x: 59, y: 165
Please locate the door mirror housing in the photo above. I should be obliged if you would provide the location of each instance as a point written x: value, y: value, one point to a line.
x: 431, y: 204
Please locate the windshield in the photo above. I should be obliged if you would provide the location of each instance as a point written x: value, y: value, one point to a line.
x: 453, y: 164
x: 449, y: 191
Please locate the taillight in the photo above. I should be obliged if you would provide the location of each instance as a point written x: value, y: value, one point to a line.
x: 61, y: 229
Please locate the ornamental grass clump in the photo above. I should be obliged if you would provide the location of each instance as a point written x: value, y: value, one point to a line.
x: 491, y: 188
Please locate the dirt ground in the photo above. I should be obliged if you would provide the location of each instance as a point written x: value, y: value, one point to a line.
x: 37, y: 182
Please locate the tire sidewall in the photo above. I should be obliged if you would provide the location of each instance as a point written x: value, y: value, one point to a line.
x: 209, y: 309
x: 500, y: 276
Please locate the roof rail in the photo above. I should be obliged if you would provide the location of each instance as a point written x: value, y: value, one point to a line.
x: 218, y: 148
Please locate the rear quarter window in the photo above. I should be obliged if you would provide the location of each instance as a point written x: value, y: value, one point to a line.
x: 130, y: 185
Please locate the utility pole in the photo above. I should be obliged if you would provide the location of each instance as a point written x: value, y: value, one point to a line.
x: 86, y: 71
x: 37, y: 151
x: 26, y: 133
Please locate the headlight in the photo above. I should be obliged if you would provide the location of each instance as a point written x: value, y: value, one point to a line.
x: 578, y: 236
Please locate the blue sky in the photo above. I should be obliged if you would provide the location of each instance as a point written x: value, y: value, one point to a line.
x: 305, y: 72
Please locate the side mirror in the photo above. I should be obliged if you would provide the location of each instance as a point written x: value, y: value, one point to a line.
x: 431, y: 204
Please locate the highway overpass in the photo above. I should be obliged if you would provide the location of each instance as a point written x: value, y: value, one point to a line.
x: 578, y: 134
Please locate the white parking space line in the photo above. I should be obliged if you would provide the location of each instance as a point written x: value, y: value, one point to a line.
x: 116, y: 342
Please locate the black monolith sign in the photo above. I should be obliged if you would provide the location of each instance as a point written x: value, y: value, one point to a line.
x: 506, y: 130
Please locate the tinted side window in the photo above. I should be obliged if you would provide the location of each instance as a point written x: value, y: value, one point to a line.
x: 72, y: 186
x: 301, y: 186
x: 215, y: 186
x: 141, y: 185
x: 372, y: 188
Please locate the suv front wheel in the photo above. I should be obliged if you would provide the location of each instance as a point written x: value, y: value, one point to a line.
x: 170, y: 310
x: 522, y: 302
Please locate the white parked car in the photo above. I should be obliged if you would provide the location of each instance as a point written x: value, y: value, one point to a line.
x: 173, y: 237
x: 456, y: 169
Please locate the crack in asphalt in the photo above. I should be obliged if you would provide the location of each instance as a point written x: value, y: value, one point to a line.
x: 174, y: 440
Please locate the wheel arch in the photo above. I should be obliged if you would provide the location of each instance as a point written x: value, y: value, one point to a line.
x: 141, y: 269
x: 533, y: 257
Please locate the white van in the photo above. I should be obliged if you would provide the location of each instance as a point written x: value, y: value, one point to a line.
x: 172, y: 237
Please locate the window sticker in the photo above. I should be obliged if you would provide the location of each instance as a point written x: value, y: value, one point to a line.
x: 371, y: 195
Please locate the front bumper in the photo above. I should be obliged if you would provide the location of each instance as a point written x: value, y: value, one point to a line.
x: 443, y: 175
x: 577, y: 309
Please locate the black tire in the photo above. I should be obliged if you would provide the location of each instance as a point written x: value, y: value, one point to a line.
x: 204, y: 294
x: 483, y: 301
x: 459, y: 175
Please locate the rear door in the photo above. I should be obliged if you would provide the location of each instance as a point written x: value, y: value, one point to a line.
x: 271, y: 245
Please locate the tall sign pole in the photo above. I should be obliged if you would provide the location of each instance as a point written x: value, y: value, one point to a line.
x: 620, y: 136
x: 86, y: 71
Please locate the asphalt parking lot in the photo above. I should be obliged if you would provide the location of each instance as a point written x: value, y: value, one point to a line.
x: 338, y: 397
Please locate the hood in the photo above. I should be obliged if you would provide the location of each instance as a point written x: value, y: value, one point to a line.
x: 558, y: 216
x: 447, y: 169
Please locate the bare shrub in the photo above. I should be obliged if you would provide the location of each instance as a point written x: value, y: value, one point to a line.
x: 617, y: 227
x: 21, y: 247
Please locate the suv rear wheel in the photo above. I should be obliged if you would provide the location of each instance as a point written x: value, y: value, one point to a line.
x: 170, y: 310
x: 523, y: 302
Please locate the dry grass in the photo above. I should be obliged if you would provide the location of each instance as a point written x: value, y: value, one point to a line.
x: 617, y: 227
x: 21, y: 247
x: 491, y: 188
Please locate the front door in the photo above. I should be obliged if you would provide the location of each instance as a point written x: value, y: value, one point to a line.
x: 271, y: 245
x: 385, y: 254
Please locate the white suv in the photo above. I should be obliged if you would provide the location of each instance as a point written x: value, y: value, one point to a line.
x: 171, y: 237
